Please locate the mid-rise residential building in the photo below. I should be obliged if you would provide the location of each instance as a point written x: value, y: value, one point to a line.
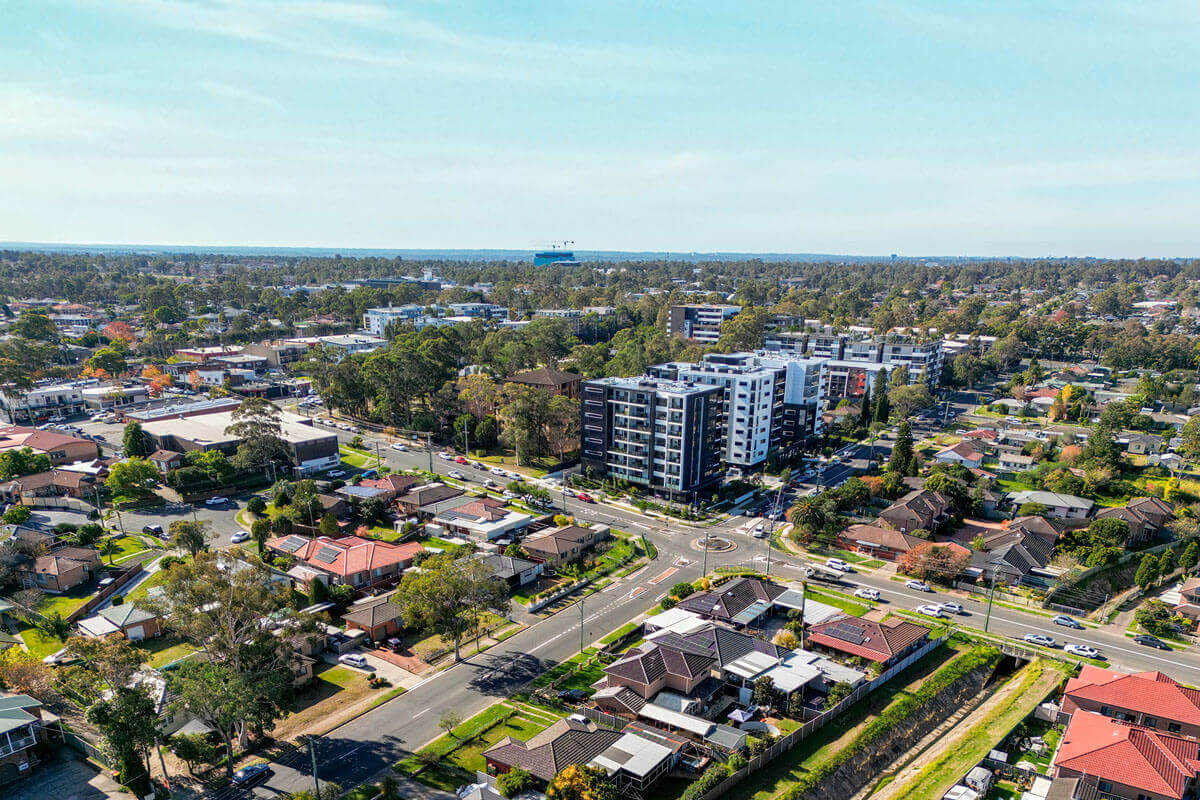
x: 661, y: 434
x: 44, y: 401
x: 479, y: 310
x: 698, y: 322
x: 376, y: 320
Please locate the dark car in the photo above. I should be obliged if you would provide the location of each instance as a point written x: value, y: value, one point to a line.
x: 1151, y: 641
x: 153, y: 530
x: 251, y: 774
x: 573, y: 695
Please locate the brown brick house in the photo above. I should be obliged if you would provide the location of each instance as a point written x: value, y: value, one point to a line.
x: 563, y: 545
x: 1151, y: 699
x: 917, y: 510
x: 61, y: 570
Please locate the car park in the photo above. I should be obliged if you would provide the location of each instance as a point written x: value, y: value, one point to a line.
x: 251, y: 774
x: 1082, y: 650
x: 216, y: 501
x: 1151, y: 641
x: 920, y: 586
x: 1064, y: 620
x: 866, y: 593
x: 1039, y: 638
x: 240, y: 536
x: 930, y: 610
x: 357, y: 660
x: 839, y: 565
x: 953, y: 608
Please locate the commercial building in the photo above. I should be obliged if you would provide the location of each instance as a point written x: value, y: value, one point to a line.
x: 311, y: 450
x: 44, y: 401
x: 698, y: 322
x: 660, y: 434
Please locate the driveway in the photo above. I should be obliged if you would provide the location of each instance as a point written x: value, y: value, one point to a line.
x: 68, y: 777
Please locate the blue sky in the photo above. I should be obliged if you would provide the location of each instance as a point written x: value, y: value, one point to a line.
x: 908, y: 126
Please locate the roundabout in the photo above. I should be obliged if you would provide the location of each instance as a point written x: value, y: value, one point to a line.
x: 713, y: 544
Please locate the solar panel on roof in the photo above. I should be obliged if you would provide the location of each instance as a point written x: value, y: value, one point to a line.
x: 327, y: 555
x: 292, y: 544
x: 847, y: 633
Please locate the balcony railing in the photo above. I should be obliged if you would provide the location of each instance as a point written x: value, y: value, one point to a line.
x: 15, y: 744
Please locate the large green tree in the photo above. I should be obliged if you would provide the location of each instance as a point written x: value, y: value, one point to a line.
x: 258, y: 423
x: 129, y: 724
x: 136, y: 442
x: 449, y: 596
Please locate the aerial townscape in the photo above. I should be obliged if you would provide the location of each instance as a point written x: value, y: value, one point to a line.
x: 852, y: 453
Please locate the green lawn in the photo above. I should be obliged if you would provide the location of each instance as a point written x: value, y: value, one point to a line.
x: 851, y: 607
x: 164, y: 650
x: 39, y: 644
x: 341, y: 677
x: 66, y: 602
x: 156, y: 579
x: 127, y: 547
x: 357, y: 458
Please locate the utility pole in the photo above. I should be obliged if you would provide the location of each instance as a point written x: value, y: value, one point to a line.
x: 581, y: 625
x: 378, y: 458
x: 312, y: 752
x: 803, y: 602
x: 706, y: 554
x: 429, y: 449
x: 163, y: 763
x: 991, y: 595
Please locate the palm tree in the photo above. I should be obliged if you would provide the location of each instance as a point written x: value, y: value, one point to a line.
x: 109, y: 548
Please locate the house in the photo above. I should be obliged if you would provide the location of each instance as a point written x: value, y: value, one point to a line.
x: 1127, y: 761
x: 634, y: 763
x: 59, y: 447
x: 882, y: 642
x: 22, y: 727
x: 1141, y: 529
x: 962, y: 453
x: 1063, y: 506
x: 569, y: 741
x: 877, y: 541
x: 551, y: 380
x: 166, y: 460
x: 379, y: 617
x: 62, y: 570
x: 483, y: 518
x: 427, y: 500
x: 1011, y: 548
x: 127, y: 619
x: 1142, y: 444
x: 512, y: 570
x: 563, y: 545
x: 1150, y: 699
x: 739, y: 602
x: 1157, y: 512
x: 393, y: 485
x: 1015, y: 462
x: 918, y: 510
x: 347, y: 561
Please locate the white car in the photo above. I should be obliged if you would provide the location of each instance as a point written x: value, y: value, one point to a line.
x: 240, y: 536
x: 458, y: 476
x: 401, y: 447
x: 1082, y: 650
x: 953, y: 608
x: 216, y: 501
x: 1039, y: 638
x: 930, y: 610
x: 354, y: 660
x: 444, y: 456
x: 839, y: 565
x: 920, y: 586
x: 516, y: 476
x: 867, y: 593
x: 760, y: 532
x: 491, y: 484
x: 498, y: 471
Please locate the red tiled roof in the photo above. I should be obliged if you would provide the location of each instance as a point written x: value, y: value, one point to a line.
x: 877, y: 641
x: 1151, y: 693
x: 353, y: 554
x: 1128, y: 754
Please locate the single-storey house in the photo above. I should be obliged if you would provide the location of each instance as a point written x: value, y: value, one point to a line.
x: 1063, y: 506
x: 882, y: 642
x: 563, y: 545
x: 877, y: 541
x: 512, y: 570
x: 483, y: 518
x: 127, y: 619
x: 963, y: 453
x: 379, y: 617
x: 427, y: 500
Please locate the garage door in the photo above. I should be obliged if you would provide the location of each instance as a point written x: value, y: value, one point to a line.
x: 135, y: 633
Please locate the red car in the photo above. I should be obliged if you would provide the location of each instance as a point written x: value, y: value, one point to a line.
x: 585, y: 498
x: 460, y: 460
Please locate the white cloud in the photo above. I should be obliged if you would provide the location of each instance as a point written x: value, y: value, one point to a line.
x: 240, y: 93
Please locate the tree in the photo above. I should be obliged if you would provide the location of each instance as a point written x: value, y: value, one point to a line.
x: 903, y: 459
x: 524, y: 419
x: 808, y: 515
x: 22, y: 461
x: 24, y: 673
x: 193, y: 749
x: 113, y: 658
x: 579, y: 782
x: 329, y: 525
x: 260, y: 532
x: 36, y: 326
x: 514, y: 782
x: 936, y: 562
x: 120, y: 332
x: 190, y: 536
x: 907, y: 400
x: 133, y: 476
x: 837, y: 693
x: 129, y: 723
x: 1190, y: 557
x: 1190, y: 448
x: 478, y: 394
x: 883, y: 408
x: 17, y: 515
x: 1166, y: 563
x: 562, y: 419
x: 1155, y: 617
x: 764, y: 692
x: 682, y: 589
x: 449, y: 721
x: 256, y: 505
x: 966, y: 369
x: 136, y: 441
x: 745, y: 330
x: 448, y: 596
x: 108, y: 359
x: 257, y: 422
x: 1147, y: 572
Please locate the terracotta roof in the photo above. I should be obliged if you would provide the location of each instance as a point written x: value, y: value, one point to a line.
x: 1151, y: 693
x: 877, y: 641
x: 347, y: 555
x: 962, y: 449
x: 566, y: 742
x: 882, y: 537
x: 1132, y: 755
x: 392, y: 483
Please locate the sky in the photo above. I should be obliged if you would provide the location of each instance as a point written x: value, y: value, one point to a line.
x: 918, y: 127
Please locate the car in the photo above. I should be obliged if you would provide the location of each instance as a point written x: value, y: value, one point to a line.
x: 930, y: 610
x: 839, y: 565
x: 498, y: 471
x: 336, y: 473
x: 398, y: 446
x: 444, y: 456
x: 866, y: 593
x: 920, y: 586
x: 490, y: 484
x: 458, y: 476
x: 584, y: 497
x: 240, y: 536
x: 353, y: 660
x: 1082, y: 650
x: 573, y: 695
x: 1039, y: 638
x: 1151, y: 641
x: 109, y: 581
x: 1064, y: 620
x: 507, y: 495
x: 216, y: 501
x: 461, y: 460
x: 760, y: 532
x: 153, y: 530
x: 251, y: 774
x: 369, y: 474
x: 394, y: 644
x: 953, y: 608
x: 516, y: 476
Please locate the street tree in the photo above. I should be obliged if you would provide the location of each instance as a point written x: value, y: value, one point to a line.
x: 136, y: 442
x: 133, y: 477
x: 903, y: 459
x: 448, y: 596
x: 192, y: 536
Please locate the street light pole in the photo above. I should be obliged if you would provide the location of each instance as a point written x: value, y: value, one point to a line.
x: 991, y: 595
x: 581, y: 625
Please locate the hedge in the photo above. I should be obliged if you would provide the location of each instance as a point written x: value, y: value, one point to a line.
x: 896, y: 713
x: 711, y: 778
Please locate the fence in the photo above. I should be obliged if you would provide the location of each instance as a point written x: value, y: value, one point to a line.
x: 786, y: 743
x: 559, y: 595
x: 76, y: 742
x: 601, y: 718
x: 69, y: 503
x: 1079, y: 581
x: 122, y: 580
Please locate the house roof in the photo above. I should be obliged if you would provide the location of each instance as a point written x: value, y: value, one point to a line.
x: 429, y: 494
x: 392, y: 483
x: 733, y: 598
x: 1128, y: 754
x: 963, y: 449
x: 1050, y: 499
x: 165, y: 455
x: 544, y: 376
x: 566, y: 742
x: 345, y: 556
x: 55, y: 564
x: 374, y: 614
x: 506, y: 567
x: 14, y: 711
x: 877, y: 641
x: 1151, y: 693
x: 881, y: 537
x: 126, y: 614
x: 558, y: 540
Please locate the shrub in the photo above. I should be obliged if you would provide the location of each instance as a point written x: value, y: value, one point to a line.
x: 682, y: 590
x: 117, y: 600
x: 514, y: 782
x: 706, y: 782
x: 256, y: 505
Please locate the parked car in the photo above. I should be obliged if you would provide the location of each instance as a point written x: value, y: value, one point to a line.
x: 1064, y: 620
x: 1082, y: 650
x: 1039, y: 638
x: 838, y: 564
x: 866, y: 593
x: 930, y: 610
x: 498, y: 471
x: 217, y: 501
x: 398, y: 446
x: 920, y: 586
x: 953, y: 608
x: 1151, y: 641
x: 153, y: 530
x: 573, y: 695
x: 251, y: 774
x: 460, y: 460
x: 240, y: 536
x: 444, y: 456
x: 108, y: 581
x: 354, y: 660
x: 336, y: 473
x: 490, y: 484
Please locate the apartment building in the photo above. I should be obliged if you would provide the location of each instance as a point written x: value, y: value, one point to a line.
x: 699, y: 322
x: 479, y: 310
x: 376, y: 320
x: 662, y: 434
x: 919, y: 356
x: 45, y: 400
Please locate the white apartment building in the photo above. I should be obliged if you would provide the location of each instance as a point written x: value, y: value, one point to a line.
x: 46, y: 400
x: 376, y: 320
